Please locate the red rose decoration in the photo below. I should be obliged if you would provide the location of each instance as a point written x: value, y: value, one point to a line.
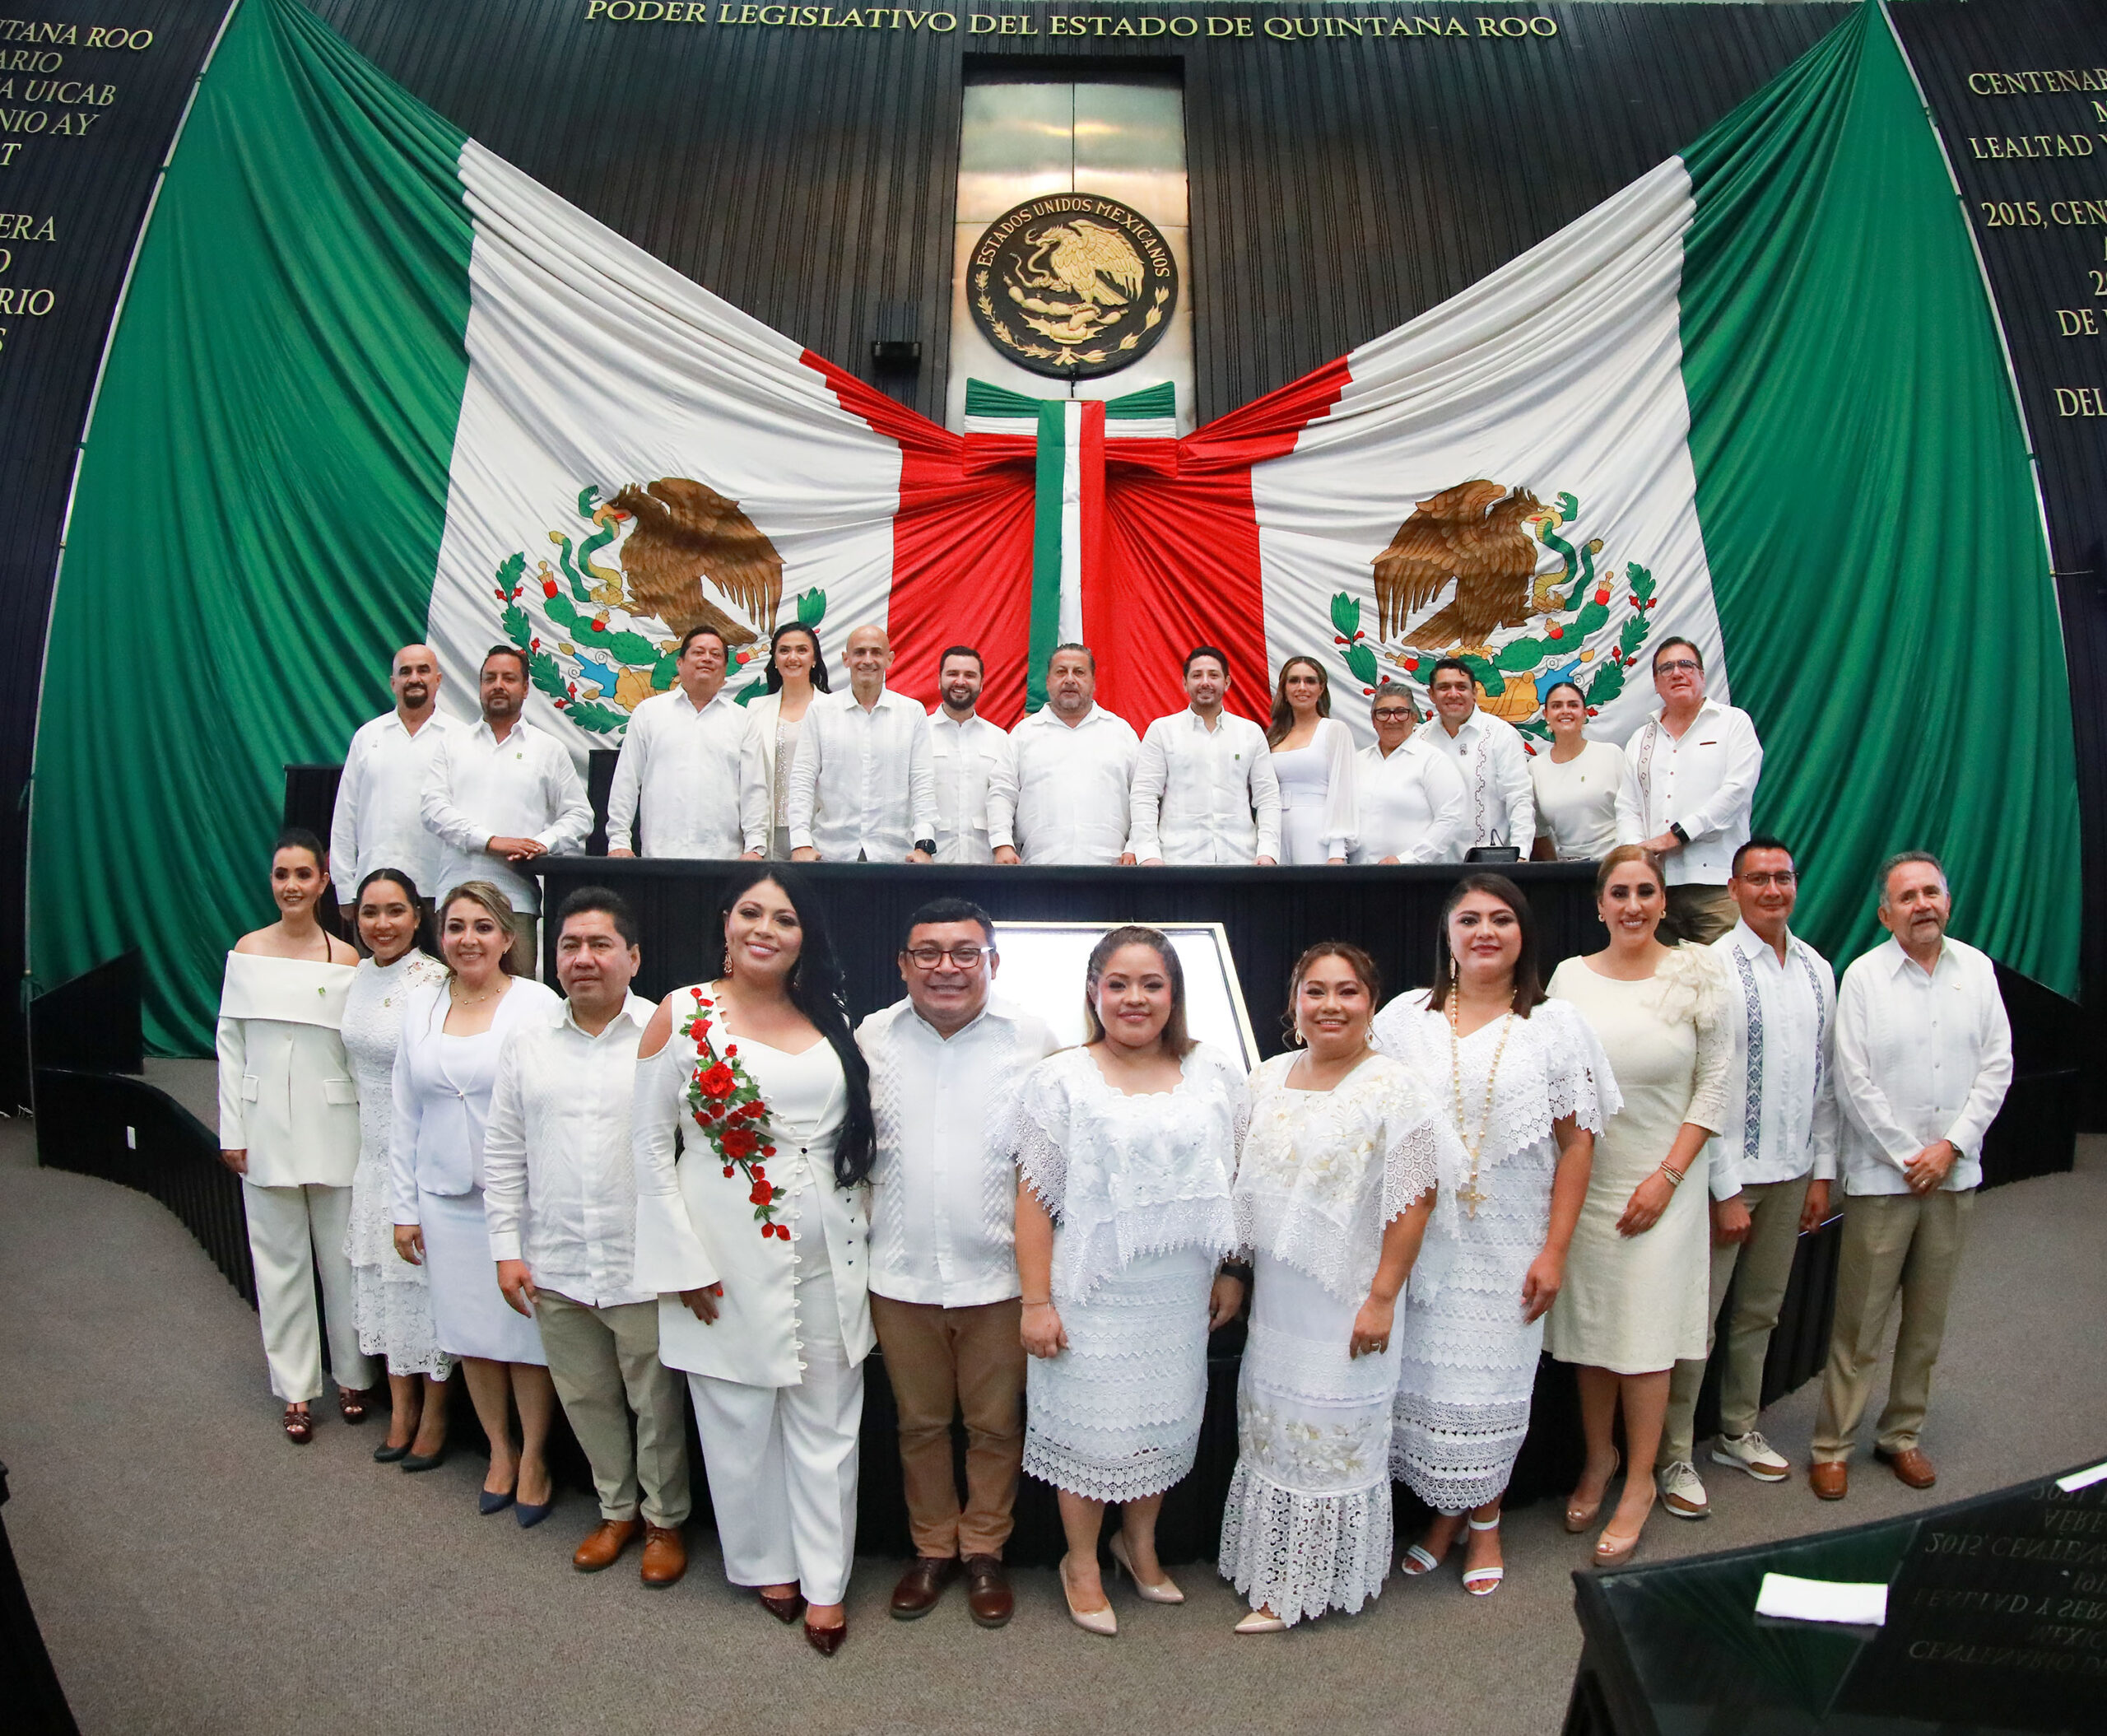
x: 737, y: 1142
x: 731, y: 1049
x: 718, y: 1082
x: 758, y: 1173
x: 728, y: 1172
x: 762, y: 1194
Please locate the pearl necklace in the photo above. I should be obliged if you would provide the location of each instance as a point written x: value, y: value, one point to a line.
x: 1468, y: 1196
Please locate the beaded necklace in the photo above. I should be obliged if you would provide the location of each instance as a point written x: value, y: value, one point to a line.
x: 1468, y: 1196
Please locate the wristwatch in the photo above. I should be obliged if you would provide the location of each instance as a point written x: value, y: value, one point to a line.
x: 1675, y: 826
x: 927, y: 846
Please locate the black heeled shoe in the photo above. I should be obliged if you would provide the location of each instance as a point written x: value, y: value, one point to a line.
x: 386, y: 1454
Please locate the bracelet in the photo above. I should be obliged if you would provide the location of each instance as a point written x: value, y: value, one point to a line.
x: 1048, y: 1303
x: 1675, y: 1176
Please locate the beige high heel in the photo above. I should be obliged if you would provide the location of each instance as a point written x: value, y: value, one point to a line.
x: 1091, y: 1621
x: 1262, y: 1621
x: 1578, y: 1519
x: 1164, y: 1591
x: 1613, y: 1551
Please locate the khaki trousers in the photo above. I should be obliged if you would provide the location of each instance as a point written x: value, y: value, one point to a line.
x: 970, y: 1360
x: 1894, y: 1245
x: 597, y: 1358
x: 1764, y: 1262
x: 294, y: 1234
x: 1700, y: 913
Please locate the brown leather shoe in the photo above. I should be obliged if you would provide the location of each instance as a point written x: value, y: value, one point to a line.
x: 785, y: 1609
x: 988, y: 1590
x: 665, y: 1556
x: 921, y: 1585
x: 1909, y: 1467
x: 826, y: 1641
x: 1830, y: 1479
x: 605, y: 1546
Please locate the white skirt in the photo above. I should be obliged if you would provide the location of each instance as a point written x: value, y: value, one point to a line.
x: 468, y: 1311
x: 1116, y: 1415
x: 391, y: 1302
x: 1307, y: 1525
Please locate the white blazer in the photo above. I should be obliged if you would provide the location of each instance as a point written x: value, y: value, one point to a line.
x: 757, y: 770
x: 694, y: 1226
x: 435, y: 1142
x: 287, y: 1095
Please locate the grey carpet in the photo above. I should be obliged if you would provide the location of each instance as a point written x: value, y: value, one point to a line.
x: 195, y: 1574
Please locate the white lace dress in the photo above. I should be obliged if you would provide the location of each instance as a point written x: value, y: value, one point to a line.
x: 1637, y: 1304
x: 1322, y: 1174
x: 391, y: 1301
x: 1138, y: 1188
x: 1466, y: 1362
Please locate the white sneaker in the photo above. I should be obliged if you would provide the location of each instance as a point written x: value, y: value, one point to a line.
x: 1682, y: 1493
x: 1752, y: 1454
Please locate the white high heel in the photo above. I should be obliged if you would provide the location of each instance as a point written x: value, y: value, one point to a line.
x: 1164, y: 1591
x: 1258, y: 1622
x: 1091, y: 1621
x: 1482, y: 1582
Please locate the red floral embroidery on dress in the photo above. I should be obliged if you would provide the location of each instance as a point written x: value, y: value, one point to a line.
x: 726, y: 1103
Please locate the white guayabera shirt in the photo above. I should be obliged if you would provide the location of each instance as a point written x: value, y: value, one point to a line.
x: 678, y: 780
x: 1781, y: 1076
x: 1069, y: 804
x: 862, y: 786
x: 523, y: 786
x: 943, y: 1193
x: 1705, y: 783
x: 378, y: 820
x: 558, y: 1180
x: 974, y: 771
x: 1411, y: 805
x: 1487, y: 753
x: 1919, y: 1058
x: 1205, y: 796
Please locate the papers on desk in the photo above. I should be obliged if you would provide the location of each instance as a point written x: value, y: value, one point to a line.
x: 1857, y: 1605
x: 2077, y: 1480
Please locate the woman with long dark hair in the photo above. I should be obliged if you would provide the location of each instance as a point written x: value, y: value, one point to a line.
x: 797, y: 670
x: 1126, y: 1148
x: 1526, y: 1090
x: 754, y: 1238
x: 393, y: 1300
x: 1313, y: 758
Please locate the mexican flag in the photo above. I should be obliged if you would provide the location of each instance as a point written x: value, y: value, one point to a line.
x: 371, y: 383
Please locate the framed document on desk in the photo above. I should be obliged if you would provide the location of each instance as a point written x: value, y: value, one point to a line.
x: 1043, y: 973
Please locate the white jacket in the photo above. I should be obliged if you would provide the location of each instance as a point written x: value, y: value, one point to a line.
x: 287, y: 1095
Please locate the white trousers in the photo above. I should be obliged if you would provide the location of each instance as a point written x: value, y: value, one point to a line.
x: 782, y: 1463
x: 293, y: 1234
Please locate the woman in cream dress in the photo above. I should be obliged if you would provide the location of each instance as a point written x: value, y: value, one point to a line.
x: 1637, y: 1279
x: 445, y: 1064
x: 1334, y: 1187
x: 1313, y: 758
x: 797, y: 669
x: 1575, y: 783
x: 756, y: 1239
x: 1126, y: 1147
x: 288, y: 1127
x: 393, y: 1303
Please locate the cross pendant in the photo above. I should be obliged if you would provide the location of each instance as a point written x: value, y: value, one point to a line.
x: 1469, y: 1197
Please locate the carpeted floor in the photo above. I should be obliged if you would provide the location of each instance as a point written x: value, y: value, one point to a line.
x: 192, y: 1573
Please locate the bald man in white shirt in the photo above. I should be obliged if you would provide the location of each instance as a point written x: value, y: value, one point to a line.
x: 378, y: 821
x: 1923, y: 1059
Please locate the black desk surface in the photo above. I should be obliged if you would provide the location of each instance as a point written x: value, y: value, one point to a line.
x: 1997, y: 1622
x: 1270, y: 914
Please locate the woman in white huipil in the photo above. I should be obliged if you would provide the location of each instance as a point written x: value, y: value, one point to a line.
x: 1313, y: 758
x: 1127, y: 1148
x: 445, y: 1064
x: 1524, y: 1085
x: 756, y: 1241
x: 392, y: 1300
x: 1411, y: 802
x: 1636, y: 1279
x: 1334, y: 1187
x: 797, y: 670
x: 288, y: 1127
x: 1575, y: 782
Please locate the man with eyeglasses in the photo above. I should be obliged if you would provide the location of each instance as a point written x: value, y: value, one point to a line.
x: 1689, y: 776
x: 1771, y: 1170
x: 944, y: 1297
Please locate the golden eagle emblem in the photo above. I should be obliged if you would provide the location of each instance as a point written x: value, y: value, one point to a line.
x: 1475, y: 536
x: 686, y: 532
x: 1072, y: 285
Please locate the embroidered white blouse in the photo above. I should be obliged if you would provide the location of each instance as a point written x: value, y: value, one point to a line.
x: 1122, y: 1175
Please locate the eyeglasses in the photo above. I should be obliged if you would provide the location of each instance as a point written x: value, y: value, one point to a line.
x: 1784, y: 879
x: 1681, y: 666
x: 961, y: 958
x: 1393, y: 716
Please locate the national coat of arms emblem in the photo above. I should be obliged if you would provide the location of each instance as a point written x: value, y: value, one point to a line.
x: 1072, y: 285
